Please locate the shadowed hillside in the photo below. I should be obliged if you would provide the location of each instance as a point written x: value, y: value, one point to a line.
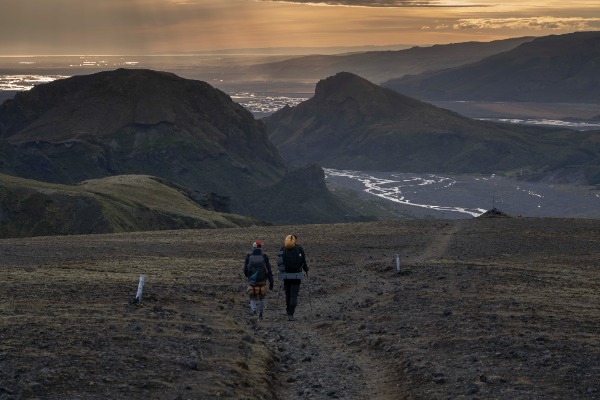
x: 136, y: 121
x: 379, y: 66
x: 115, y: 204
x: 561, y: 69
x: 352, y: 123
x: 152, y: 123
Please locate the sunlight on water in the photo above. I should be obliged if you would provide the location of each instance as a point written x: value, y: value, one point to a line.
x: 577, y: 125
x: 464, y: 196
x: 263, y: 103
x: 400, y: 190
x: 25, y: 82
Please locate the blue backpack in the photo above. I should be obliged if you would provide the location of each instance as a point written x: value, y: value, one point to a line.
x: 258, y: 270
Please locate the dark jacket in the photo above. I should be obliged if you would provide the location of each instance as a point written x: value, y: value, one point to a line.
x: 294, y: 260
x: 258, y: 251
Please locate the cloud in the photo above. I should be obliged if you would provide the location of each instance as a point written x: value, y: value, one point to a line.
x: 366, y: 3
x: 528, y: 23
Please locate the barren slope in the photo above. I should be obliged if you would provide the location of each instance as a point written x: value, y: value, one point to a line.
x: 483, y: 308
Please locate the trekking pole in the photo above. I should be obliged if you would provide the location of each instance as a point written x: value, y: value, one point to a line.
x: 309, y: 295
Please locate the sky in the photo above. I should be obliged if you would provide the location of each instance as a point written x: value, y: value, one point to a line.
x: 50, y: 27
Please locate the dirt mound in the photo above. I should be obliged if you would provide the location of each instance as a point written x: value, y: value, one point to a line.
x: 494, y: 213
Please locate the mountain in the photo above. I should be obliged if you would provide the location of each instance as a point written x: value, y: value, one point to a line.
x: 183, y: 131
x: 557, y: 68
x: 379, y: 66
x: 114, y: 204
x: 136, y: 122
x: 351, y: 123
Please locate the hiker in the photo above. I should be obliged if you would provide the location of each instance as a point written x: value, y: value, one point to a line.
x: 292, y: 260
x: 258, y: 270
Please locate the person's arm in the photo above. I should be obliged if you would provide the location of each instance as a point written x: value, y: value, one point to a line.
x: 270, y: 272
x: 246, y: 264
x: 304, y: 264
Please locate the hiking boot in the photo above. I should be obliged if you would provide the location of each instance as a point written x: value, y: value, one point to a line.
x: 291, y: 318
x: 260, y: 316
x: 253, y: 312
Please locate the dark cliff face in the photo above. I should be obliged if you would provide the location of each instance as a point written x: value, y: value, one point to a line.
x: 136, y: 121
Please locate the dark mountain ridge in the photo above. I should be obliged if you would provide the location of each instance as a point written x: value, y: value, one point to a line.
x: 352, y: 123
x: 556, y: 68
x: 379, y: 66
x: 135, y: 121
x: 143, y: 122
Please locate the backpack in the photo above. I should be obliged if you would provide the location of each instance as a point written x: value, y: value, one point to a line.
x: 279, y: 259
x: 290, y: 260
x: 258, y: 270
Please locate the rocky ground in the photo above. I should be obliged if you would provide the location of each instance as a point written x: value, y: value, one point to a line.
x: 487, y: 308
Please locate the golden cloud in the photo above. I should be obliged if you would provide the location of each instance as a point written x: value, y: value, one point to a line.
x: 529, y: 23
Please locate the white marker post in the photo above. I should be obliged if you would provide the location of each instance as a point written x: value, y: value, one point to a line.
x: 398, y: 263
x: 138, y: 296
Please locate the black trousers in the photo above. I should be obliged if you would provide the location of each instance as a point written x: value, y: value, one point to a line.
x: 292, y: 288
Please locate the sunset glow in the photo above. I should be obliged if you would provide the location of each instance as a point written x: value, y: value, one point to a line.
x: 174, y: 26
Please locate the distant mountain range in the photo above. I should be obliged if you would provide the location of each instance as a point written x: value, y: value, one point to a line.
x: 151, y: 123
x: 379, y: 66
x: 561, y: 69
x: 352, y: 123
x: 191, y: 141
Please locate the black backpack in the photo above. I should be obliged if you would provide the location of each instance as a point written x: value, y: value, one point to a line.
x: 290, y: 260
x: 257, y: 270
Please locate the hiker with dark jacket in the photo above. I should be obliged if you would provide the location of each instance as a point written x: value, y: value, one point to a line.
x: 293, y: 260
x: 258, y: 270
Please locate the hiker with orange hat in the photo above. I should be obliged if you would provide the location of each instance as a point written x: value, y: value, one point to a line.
x: 291, y: 261
x: 258, y: 270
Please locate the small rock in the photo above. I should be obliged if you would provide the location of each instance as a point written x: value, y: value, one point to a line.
x: 35, y: 386
x: 192, y: 364
x: 438, y: 378
x: 472, y: 388
x: 248, y: 338
x: 447, y: 312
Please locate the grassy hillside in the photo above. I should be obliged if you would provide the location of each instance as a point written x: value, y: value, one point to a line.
x: 115, y: 204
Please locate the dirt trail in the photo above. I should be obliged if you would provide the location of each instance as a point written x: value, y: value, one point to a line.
x: 311, y: 362
x: 330, y: 351
x: 440, y: 243
x: 323, y: 354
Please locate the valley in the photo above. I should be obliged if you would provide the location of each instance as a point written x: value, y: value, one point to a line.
x: 466, y: 196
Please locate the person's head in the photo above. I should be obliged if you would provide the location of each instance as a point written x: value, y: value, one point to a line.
x: 290, y: 241
x: 257, y: 245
